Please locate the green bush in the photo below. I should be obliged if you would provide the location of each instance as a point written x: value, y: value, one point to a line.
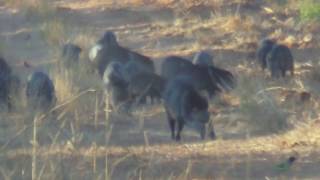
x: 309, y: 10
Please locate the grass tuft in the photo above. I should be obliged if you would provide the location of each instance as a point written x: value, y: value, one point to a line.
x: 309, y: 10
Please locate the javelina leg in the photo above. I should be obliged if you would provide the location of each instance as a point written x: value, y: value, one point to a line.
x: 283, y: 72
x: 203, y: 131
x: 211, y: 129
x: 212, y: 134
x: 171, y: 122
x: 180, y: 127
x: 9, y: 107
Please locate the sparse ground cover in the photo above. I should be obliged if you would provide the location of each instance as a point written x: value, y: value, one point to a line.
x: 259, y: 124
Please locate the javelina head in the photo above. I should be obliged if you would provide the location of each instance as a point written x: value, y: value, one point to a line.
x: 113, y: 75
x: 265, y: 47
x: 108, y: 39
x: 203, y: 58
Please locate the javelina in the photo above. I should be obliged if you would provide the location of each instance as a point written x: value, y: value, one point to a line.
x: 5, y: 77
x: 201, y: 78
x: 263, y: 50
x: 174, y: 65
x: 40, y: 91
x: 116, y: 87
x: 107, y: 50
x: 184, y: 106
x: 70, y: 54
x: 279, y: 61
x: 203, y: 58
x: 146, y: 84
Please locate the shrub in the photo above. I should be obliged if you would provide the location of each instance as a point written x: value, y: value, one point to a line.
x: 309, y: 10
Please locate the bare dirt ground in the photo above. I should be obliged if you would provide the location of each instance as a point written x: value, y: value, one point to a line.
x: 139, y: 146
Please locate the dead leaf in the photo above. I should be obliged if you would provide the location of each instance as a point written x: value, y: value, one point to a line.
x: 268, y: 10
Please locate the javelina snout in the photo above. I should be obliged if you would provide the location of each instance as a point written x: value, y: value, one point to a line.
x: 40, y: 92
x: 116, y: 87
x: 279, y: 61
x: 184, y: 106
x: 263, y: 50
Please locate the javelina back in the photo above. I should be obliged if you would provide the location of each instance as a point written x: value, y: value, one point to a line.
x: 174, y: 65
x: 107, y: 50
x: 40, y: 92
x: 201, y: 78
x: 279, y: 61
x: 116, y: 87
x: 184, y: 106
x: 70, y: 54
x: 263, y: 50
x: 203, y: 58
x: 146, y: 84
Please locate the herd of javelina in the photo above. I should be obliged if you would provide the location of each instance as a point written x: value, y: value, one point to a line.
x: 129, y: 79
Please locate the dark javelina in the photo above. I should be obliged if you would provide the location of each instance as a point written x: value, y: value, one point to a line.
x: 107, y: 50
x: 5, y: 74
x: 201, y: 78
x: 184, y: 106
x: 40, y: 92
x: 116, y: 87
x: 174, y: 65
x: 146, y: 84
x: 263, y: 50
x: 279, y: 61
x: 203, y: 58
x: 131, y: 69
x: 70, y: 54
